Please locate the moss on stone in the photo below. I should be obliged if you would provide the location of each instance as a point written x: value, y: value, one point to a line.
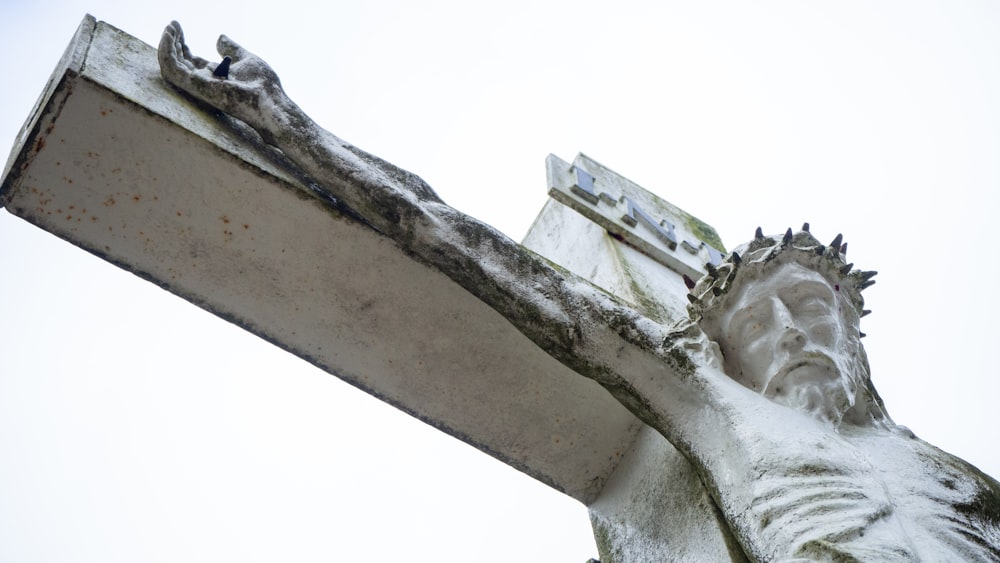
x: 820, y: 550
x: 604, y: 537
x: 680, y: 360
x: 704, y: 232
x: 645, y: 303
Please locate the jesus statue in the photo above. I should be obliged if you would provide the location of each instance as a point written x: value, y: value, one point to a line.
x: 765, y: 387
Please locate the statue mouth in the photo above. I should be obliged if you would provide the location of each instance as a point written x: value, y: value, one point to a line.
x: 812, y: 368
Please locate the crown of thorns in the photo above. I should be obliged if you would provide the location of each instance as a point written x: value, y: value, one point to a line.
x: 764, y: 252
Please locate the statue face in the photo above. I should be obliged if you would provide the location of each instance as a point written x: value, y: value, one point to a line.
x: 785, y: 337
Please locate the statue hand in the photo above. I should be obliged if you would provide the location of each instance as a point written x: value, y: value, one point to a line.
x: 248, y: 91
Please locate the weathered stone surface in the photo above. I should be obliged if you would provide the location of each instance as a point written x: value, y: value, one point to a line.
x: 765, y: 389
x: 119, y: 163
x: 654, y: 507
x: 237, y: 232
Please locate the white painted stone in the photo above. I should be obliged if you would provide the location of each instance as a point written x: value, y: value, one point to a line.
x: 659, y: 229
x: 654, y: 507
x: 237, y: 233
x: 792, y: 444
x: 119, y: 163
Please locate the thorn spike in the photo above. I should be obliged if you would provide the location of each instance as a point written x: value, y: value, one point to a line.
x: 862, y: 334
x: 805, y: 227
x: 865, y: 276
x: 843, y: 248
x: 694, y: 300
x: 787, y: 238
x: 758, y: 234
x: 846, y: 269
x: 866, y: 285
x: 689, y: 282
x: 836, y: 242
x: 712, y: 271
x: 866, y: 312
x: 737, y: 259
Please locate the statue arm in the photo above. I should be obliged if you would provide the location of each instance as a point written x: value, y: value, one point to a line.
x: 669, y: 379
x: 586, y: 329
x: 664, y: 381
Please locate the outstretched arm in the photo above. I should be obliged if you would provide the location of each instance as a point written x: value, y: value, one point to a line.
x: 586, y: 329
x: 669, y: 379
x: 583, y: 327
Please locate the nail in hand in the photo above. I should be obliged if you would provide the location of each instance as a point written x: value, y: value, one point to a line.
x: 222, y: 71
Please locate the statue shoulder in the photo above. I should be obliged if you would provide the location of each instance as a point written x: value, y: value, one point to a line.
x: 956, y: 503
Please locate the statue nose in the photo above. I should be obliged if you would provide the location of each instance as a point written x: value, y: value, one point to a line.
x: 792, y: 338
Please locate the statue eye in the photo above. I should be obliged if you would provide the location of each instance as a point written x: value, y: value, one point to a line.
x: 752, y: 321
x: 810, y: 303
x: 809, y: 297
x: 813, y: 304
x: 748, y: 328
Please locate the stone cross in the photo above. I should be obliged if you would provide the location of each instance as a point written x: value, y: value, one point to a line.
x: 237, y: 231
x: 540, y: 358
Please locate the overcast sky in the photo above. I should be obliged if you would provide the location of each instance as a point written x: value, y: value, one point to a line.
x: 135, y: 427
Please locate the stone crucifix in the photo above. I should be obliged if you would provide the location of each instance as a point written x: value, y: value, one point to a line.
x: 765, y: 388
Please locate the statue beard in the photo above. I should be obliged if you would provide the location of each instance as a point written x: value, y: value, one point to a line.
x: 814, y: 384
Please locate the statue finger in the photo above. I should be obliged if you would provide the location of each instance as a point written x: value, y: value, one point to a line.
x: 167, y: 50
x: 170, y: 56
x: 229, y: 48
x: 173, y: 52
x: 180, y: 48
x: 196, y: 62
x: 174, y: 32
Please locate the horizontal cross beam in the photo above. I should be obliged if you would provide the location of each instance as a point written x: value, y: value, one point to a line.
x: 124, y: 166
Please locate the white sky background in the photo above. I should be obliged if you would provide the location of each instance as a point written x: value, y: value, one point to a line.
x: 135, y: 427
